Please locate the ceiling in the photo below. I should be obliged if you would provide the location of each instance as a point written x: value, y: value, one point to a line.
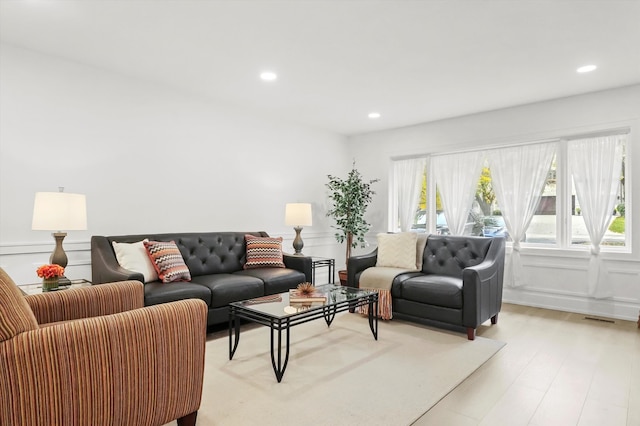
x: 338, y: 60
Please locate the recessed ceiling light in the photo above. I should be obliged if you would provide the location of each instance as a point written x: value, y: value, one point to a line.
x: 268, y: 76
x: 374, y: 115
x: 586, y: 68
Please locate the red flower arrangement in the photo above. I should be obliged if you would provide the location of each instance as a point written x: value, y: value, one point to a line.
x: 50, y: 271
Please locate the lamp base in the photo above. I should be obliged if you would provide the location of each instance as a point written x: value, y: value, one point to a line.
x: 59, y: 257
x: 297, y: 242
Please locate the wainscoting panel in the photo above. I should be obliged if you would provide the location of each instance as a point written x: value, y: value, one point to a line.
x: 21, y: 260
x: 560, y: 283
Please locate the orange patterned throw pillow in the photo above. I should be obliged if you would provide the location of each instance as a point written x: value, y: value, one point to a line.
x: 167, y: 260
x: 263, y: 252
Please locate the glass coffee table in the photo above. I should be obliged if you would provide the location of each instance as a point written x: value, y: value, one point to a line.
x: 280, y: 314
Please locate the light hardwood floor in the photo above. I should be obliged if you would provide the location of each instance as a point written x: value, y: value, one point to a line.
x: 557, y: 368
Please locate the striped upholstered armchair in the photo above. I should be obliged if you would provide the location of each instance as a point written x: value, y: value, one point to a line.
x: 95, y: 356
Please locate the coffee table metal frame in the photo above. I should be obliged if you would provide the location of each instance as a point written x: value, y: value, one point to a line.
x: 280, y: 323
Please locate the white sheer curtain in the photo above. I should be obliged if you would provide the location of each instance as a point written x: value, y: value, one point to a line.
x: 518, y: 178
x: 457, y: 179
x: 596, y: 165
x: 408, y: 177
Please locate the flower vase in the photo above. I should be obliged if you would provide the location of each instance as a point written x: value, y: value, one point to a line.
x: 49, y: 284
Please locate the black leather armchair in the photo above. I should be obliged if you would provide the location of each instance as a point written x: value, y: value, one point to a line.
x: 459, y: 286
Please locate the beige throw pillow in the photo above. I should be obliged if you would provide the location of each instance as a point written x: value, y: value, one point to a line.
x: 134, y: 257
x: 397, y: 250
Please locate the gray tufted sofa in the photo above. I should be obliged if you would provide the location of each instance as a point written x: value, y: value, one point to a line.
x: 215, y: 261
x: 459, y: 286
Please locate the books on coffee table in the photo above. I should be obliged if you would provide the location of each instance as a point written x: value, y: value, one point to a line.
x: 296, y: 296
x: 265, y: 299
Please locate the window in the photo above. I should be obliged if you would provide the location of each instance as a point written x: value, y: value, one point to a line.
x: 420, y: 217
x: 421, y: 221
x: 543, y: 226
x: 408, y: 173
x: 599, y: 191
x: 558, y: 219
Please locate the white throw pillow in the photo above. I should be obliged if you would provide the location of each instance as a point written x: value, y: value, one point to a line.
x: 134, y: 257
x: 397, y: 250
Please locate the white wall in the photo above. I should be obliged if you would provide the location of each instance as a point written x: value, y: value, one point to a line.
x: 150, y: 159
x: 557, y: 277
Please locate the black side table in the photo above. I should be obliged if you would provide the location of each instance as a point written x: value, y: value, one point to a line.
x: 319, y: 262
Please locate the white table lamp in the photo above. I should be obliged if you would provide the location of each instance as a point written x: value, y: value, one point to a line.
x: 298, y: 215
x: 59, y: 211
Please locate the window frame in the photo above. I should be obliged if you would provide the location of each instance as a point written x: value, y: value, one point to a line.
x: 563, y: 193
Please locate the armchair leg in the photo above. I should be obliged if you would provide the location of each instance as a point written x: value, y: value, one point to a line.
x: 494, y: 319
x: 188, y: 420
x: 471, y: 333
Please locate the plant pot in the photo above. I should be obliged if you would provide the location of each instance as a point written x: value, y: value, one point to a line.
x: 49, y: 284
x: 343, y: 277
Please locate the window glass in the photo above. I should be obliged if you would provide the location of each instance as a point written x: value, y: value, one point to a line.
x: 616, y: 232
x: 420, y: 219
x: 473, y: 226
x: 542, y: 229
x: 488, y: 210
x: 485, y: 197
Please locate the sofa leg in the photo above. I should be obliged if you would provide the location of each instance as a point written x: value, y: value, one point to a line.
x: 471, y: 333
x: 188, y: 420
x: 494, y: 319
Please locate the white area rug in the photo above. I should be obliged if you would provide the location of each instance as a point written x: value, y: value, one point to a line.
x: 338, y: 375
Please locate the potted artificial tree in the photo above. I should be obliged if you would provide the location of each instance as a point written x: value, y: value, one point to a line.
x: 350, y: 198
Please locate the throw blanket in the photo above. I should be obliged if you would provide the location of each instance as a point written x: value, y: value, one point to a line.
x: 379, y: 279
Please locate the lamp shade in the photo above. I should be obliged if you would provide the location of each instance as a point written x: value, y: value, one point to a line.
x: 59, y: 211
x: 298, y: 214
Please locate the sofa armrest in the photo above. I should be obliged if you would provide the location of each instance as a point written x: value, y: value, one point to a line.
x: 299, y: 263
x: 482, y: 286
x: 357, y: 264
x: 86, y: 302
x: 104, y: 265
x: 138, y: 367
